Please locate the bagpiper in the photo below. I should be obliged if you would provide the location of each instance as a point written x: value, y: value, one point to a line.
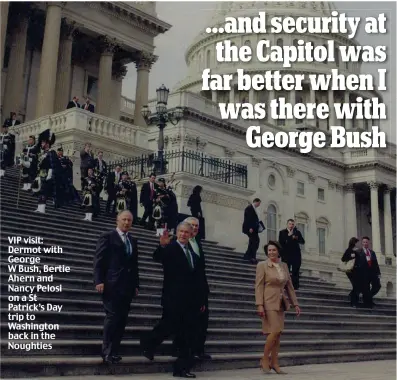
x: 133, y: 200
x: 160, y: 209
x: 122, y: 193
x: 7, y: 149
x: 70, y: 192
x: 28, y: 162
x: 47, y: 183
x: 90, y: 195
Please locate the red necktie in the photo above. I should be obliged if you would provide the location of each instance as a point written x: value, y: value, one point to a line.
x: 368, y: 254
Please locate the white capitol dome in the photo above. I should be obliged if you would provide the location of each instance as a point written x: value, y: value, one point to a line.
x: 201, y: 53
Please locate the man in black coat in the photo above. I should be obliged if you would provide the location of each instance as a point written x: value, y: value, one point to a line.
x: 12, y: 121
x: 112, y: 181
x: 202, y: 326
x: 86, y: 162
x: 148, y: 194
x: 183, y: 298
x: 88, y: 106
x: 368, y: 273
x: 116, y: 277
x: 251, y: 229
x: 74, y: 103
x: 290, y: 240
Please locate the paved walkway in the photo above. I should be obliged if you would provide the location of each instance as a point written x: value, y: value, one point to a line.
x: 373, y: 370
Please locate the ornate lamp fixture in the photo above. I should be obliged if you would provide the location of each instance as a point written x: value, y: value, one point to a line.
x: 161, y: 117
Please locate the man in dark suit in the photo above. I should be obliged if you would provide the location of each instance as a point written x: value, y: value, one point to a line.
x: 86, y: 162
x: 369, y: 273
x: 101, y: 171
x: 148, y: 193
x: 12, y: 121
x: 251, y: 229
x: 112, y: 181
x: 202, y: 326
x: 183, y: 298
x: 74, y: 103
x: 116, y: 277
x: 290, y: 240
x: 88, y: 106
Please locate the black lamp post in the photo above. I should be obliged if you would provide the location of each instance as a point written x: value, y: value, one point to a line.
x: 161, y: 118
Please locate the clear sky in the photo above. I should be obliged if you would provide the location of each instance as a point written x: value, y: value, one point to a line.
x: 189, y: 18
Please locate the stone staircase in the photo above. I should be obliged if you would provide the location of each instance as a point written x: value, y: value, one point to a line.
x: 329, y: 330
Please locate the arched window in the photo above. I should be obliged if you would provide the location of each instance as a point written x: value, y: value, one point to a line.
x: 279, y: 42
x: 295, y: 43
x: 208, y: 61
x: 271, y: 223
x: 247, y: 43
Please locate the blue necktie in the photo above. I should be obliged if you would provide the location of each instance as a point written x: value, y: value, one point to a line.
x: 128, y: 245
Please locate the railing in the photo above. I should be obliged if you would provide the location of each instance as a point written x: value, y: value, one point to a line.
x: 186, y: 161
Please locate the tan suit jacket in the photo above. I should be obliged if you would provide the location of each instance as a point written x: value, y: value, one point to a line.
x: 270, y: 289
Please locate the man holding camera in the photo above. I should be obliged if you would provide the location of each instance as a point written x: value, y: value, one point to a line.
x: 290, y: 240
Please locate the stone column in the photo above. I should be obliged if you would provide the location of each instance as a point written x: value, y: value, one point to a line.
x: 351, y: 212
x: 388, y: 223
x: 144, y: 63
x: 348, y: 123
x: 4, y: 5
x: 292, y: 100
x: 13, y: 92
x: 48, y: 63
x: 119, y: 72
x: 332, y: 116
x: 375, y: 224
x: 64, y: 72
x: 231, y: 94
x: 214, y: 96
x: 251, y: 96
x: 108, y: 47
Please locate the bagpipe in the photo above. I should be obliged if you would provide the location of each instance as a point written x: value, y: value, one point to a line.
x: 42, y: 174
x: 88, y: 193
x: 161, y: 204
x: 121, y: 195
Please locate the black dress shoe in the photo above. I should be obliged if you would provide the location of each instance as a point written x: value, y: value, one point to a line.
x: 203, y: 356
x: 108, y: 359
x: 148, y: 354
x: 186, y: 375
x: 116, y: 358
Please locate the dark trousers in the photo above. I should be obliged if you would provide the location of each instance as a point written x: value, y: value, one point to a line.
x: 116, y: 308
x: 200, y: 334
x: 111, y: 197
x: 370, y: 285
x: 83, y: 175
x: 148, y: 213
x: 355, y: 292
x: 253, y: 245
x: 294, y: 266
x: 180, y: 323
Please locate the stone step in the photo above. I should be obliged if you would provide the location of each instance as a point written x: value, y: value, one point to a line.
x: 131, y: 347
x: 82, y: 268
x: 85, y: 260
x: 28, y: 203
x: 222, y: 287
x: 135, y: 331
x: 154, y: 295
x: 84, y: 280
x: 313, y: 320
x: 45, y: 365
x: 149, y: 303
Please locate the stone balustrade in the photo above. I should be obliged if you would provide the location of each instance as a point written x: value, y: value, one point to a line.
x: 386, y: 156
x: 89, y: 123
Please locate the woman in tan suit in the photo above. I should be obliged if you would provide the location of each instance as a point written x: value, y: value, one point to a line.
x: 272, y: 278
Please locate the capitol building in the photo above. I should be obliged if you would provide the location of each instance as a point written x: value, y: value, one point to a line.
x: 54, y: 51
